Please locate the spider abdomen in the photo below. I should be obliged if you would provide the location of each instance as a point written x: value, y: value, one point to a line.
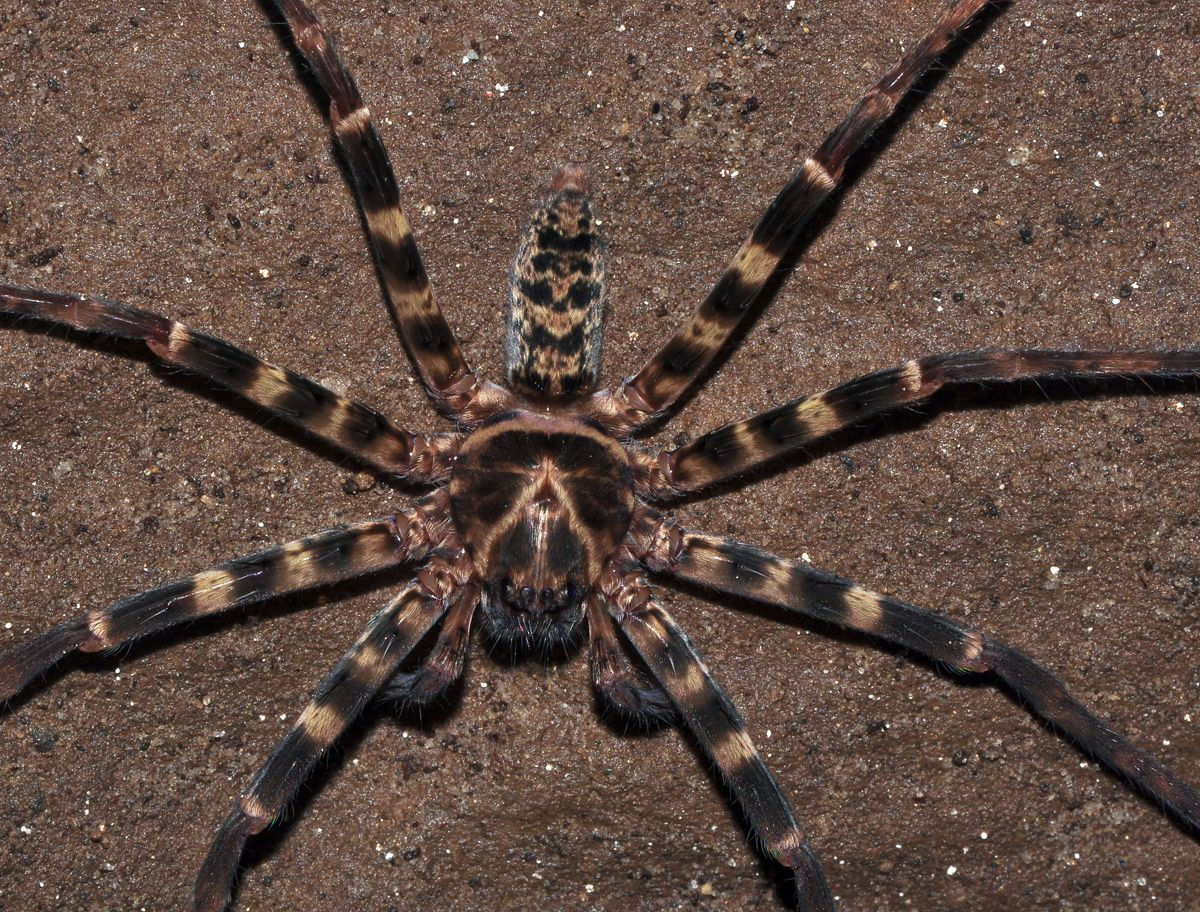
x: 540, y: 503
x: 556, y: 296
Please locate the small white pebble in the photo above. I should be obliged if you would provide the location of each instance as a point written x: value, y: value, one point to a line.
x: 983, y: 834
x: 1055, y: 571
x: 951, y: 871
x: 265, y: 273
x: 591, y: 888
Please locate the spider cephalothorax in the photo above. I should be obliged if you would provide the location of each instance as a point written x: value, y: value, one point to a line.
x: 541, y: 503
x: 542, y: 510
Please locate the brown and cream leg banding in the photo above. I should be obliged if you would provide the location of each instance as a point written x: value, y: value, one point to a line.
x: 740, y: 569
x: 302, y: 564
x: 352, y: 427
x: 678, y: 364
x: 707, y: 711
x: 743, y: 445
x: 337, y: 702
x: 428, y: 336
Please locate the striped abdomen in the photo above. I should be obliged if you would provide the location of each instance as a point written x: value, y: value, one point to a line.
x: 556, y: 296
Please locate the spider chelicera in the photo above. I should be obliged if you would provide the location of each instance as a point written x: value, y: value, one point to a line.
x: 541, y: 513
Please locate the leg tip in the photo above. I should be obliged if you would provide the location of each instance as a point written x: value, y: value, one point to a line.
x: 21, y: 664
x: 214, y: 883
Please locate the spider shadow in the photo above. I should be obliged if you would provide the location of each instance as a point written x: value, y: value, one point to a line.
x: 857, y: 166
x: 196, y: 385
x: 851, y: 638
x: 954, y: 398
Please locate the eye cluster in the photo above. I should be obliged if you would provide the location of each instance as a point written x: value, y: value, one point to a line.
x: 535, y: 603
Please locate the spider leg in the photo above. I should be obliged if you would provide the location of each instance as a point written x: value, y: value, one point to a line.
x: 741, y: 569
x: 339, y: 699
x: 618, y: 684
x: 716, y: 724
x: 444, y: 665
x: 313, y: 561
x: 743, y: 445
x: 660, y: 383
x: 428, y: 337
x: 350, y: 426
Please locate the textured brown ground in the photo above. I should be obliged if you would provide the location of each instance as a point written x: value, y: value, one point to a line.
x: 1043, y: 194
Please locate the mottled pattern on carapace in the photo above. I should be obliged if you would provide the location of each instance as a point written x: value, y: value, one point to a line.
x: 556, y: 300
x: 541, y: 501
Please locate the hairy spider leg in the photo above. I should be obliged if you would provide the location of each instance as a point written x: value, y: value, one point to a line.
x: 740, y: 569
x: 315, y: 560
x: 743, y: 445
x: 431, y: 342
x: 659, y: 384
x: 716, y: 724
x: 350, y: 426
x: 339, y: 699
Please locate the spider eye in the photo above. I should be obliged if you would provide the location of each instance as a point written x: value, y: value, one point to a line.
x: 571, y: 593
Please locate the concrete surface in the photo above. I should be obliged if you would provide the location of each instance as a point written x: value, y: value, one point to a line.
x: 1042, y: 194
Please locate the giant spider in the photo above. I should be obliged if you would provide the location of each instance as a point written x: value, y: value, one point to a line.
x: 613, y: 677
